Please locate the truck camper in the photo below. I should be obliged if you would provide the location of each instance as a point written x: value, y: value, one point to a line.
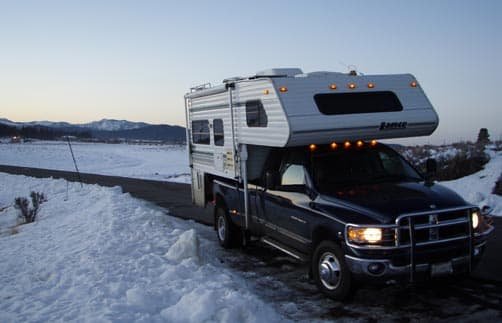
x: 294, y: 160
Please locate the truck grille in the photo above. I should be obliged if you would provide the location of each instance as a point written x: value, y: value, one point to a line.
x: 434, y: 227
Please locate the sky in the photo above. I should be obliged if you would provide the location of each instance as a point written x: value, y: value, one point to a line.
x: 81, y: 61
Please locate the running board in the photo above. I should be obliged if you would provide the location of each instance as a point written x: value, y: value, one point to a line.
x: 276, y: 244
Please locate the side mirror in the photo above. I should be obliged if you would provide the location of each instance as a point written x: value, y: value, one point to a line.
x: 486, y: 210
x: 271, y: 180
x: 431, y: 169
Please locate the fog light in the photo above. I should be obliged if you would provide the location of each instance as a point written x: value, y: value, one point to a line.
x: 376, y: 268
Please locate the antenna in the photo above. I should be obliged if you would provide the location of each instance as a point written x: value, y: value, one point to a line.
x: 351, y: 69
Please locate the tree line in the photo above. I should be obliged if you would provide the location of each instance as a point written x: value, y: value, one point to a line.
x: 40, y: 132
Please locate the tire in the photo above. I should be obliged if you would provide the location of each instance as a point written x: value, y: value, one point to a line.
x: 330, y: 271
x: 228, y: 233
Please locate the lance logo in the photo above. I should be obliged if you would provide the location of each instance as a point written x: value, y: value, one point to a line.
x: 393, y: 125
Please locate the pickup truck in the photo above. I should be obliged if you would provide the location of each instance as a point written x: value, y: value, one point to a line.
x: 354, y: 211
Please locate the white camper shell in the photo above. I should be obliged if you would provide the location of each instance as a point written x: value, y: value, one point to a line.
x: 286, y: 107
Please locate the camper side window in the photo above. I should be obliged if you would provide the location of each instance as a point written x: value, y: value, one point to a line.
x: 218, y: 134
x: 200, y: 132
x: 358, y: 102
x: 255, y: 114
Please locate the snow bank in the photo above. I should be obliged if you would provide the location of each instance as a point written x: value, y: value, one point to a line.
x: 477, y: 188
x: 157, y: 162
x: 96, y: 255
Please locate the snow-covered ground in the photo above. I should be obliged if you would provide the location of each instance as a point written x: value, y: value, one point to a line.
x: 477, y: 188
x: 157, y: 162
x: 95, y: 255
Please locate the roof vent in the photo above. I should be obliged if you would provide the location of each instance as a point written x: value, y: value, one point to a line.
x: 277, y: 72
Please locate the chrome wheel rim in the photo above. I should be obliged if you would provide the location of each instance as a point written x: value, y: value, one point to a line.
x: 221, y: 228
x: 330, y: 273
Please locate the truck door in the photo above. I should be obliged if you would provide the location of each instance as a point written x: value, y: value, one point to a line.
x: 286, y: 208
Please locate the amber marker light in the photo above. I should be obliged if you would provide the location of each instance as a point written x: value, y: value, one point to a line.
x: 371, y: 85
x: 346, y: 144
x: 352, y: 86
x: 312, y: 147
x: 334, y: 145
x: 413, y: 84
x: 373, y: 142
x: 333, y: 86
x: 359, y: 143
x: 266, y: 91
x: 283, y: 89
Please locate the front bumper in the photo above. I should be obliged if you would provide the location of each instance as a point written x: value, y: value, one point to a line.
x: 387, y: 270
x: 420, y: 246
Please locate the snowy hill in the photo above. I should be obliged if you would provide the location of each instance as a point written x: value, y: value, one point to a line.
x: 103, y: 124
x: 103, y: 129
x: 96, y: 254
x: 477, y: 188
x: 113, y: 125
x: 7, y: 122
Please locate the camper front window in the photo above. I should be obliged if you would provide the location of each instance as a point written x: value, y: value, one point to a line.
x: 255, y: 114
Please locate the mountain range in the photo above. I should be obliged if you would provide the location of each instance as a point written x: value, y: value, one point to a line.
x: 107, y: 129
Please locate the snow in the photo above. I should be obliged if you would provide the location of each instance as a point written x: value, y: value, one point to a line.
x: 97, y: 255
x: 113, y: 125
x: 477, y: 188
x: 156, y: 162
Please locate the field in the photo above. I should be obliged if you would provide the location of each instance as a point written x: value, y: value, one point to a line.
x: 156, y: 162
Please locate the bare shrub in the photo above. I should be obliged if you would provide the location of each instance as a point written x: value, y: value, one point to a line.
x: 29, y: 212
x: 469, y: 160
x: 453, y: 161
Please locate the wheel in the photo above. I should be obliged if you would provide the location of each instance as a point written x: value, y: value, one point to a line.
x: 330, y: 271
x: 228, y: 234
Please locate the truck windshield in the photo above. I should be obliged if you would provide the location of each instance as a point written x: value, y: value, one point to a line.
x: 360, y: 166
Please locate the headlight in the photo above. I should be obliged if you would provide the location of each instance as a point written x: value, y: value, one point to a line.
x: 475, y: 219
x: 364, y: 235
